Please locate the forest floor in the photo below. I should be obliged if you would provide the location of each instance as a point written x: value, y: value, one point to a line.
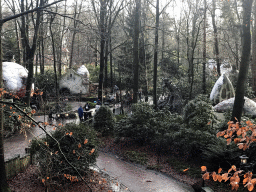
x: 28, y: 181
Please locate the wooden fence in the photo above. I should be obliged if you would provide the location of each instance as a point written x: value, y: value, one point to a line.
x: 16, y: 165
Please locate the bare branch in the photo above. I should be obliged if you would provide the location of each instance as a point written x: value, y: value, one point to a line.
x: 26, y: 12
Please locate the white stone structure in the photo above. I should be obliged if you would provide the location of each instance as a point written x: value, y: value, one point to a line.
x: 75, y: 83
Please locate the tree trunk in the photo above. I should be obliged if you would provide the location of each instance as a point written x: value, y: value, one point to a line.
x: 155, y: 56
x: 216, y: 43
x: 3, y: 181
x: 106, y: 63
x: 102, y: 45
x: 54, y: 60
x: 204, y: 50
x: 136, y: 51
x: 254, y: 53
x: 246, y: 50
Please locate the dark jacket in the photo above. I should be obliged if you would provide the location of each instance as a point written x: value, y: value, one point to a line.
x: 80, y: 112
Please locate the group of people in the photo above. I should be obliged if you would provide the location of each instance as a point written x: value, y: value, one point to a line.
x: 81, y: 110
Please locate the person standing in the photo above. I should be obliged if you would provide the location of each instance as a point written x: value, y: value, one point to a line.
x: 80, y: 113
x: 87, y: 107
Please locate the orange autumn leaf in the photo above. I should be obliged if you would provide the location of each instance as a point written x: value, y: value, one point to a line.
x: 237, y: 140
x: 74, y: 151
x: 71, y: 133
x: 185, y: 170
x: 203, y: 168
x: 229, y: 141
x: 10, y: 107
x: 253, y: 181
x: 92, y: 150
x: 78, y: 158
x: 43, y: 180
x: 214, y: 176
x: 206, y: 176
x: 245, y: 180
x: 67, y: 133
x: 220, y: 134
x: 85, y: 141
x: 235, y: 186
x: 56, y: 152
x: 209, y: 123
x: 225, y: 177
x: 48, y: 178
x: 219, y: 178
x: 79, y: 145
x: 250, y: 186
x: 219, y: 170
x: 239, y: 132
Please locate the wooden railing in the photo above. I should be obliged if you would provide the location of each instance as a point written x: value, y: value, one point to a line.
x: 16, y: 165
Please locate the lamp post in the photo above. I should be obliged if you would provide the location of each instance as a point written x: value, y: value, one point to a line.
x: 244, y: 164
x: 243, y: 159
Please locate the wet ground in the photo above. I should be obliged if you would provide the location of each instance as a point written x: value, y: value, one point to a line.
x: 134, y: 177
x: 137, y: 178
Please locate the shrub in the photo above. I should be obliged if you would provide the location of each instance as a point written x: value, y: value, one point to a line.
x: 198, y: 112
x: 197, y: 131
x: 137, y: 125
x: 104, y: 121
x: 219, y: 154
x: 77, y: 142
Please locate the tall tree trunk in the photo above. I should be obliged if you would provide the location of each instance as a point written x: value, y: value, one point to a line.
x: 215, y: 31
x: 111, y: 61
x: 246, y: 50
x: 254, y: 52
x: 3, y: 181
x: 136, y: 51
x: 102, y: 45
x: 204, y: 51
x: 54, y: 60
x: 106, y: 63
x: 155, y: 56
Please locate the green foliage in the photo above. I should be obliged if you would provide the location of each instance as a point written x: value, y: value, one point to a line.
x: 137, y: 157
x: 137, y: 125
x: 46, y: 82
x: 120, y: 116
x: 94, y: 72
x: 145, y: 124
x: 219, y: 154
x: 104, y: 120
x: 76, y: 142
x: 198, y: 113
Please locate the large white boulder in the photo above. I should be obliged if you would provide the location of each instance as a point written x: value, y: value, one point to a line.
x: 13, y: 76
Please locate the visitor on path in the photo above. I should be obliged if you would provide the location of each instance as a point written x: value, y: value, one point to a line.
x: 80, y: 113
x: 87, y: 107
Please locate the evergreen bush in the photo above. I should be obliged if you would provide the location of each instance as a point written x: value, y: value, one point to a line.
x: 104, y: 121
